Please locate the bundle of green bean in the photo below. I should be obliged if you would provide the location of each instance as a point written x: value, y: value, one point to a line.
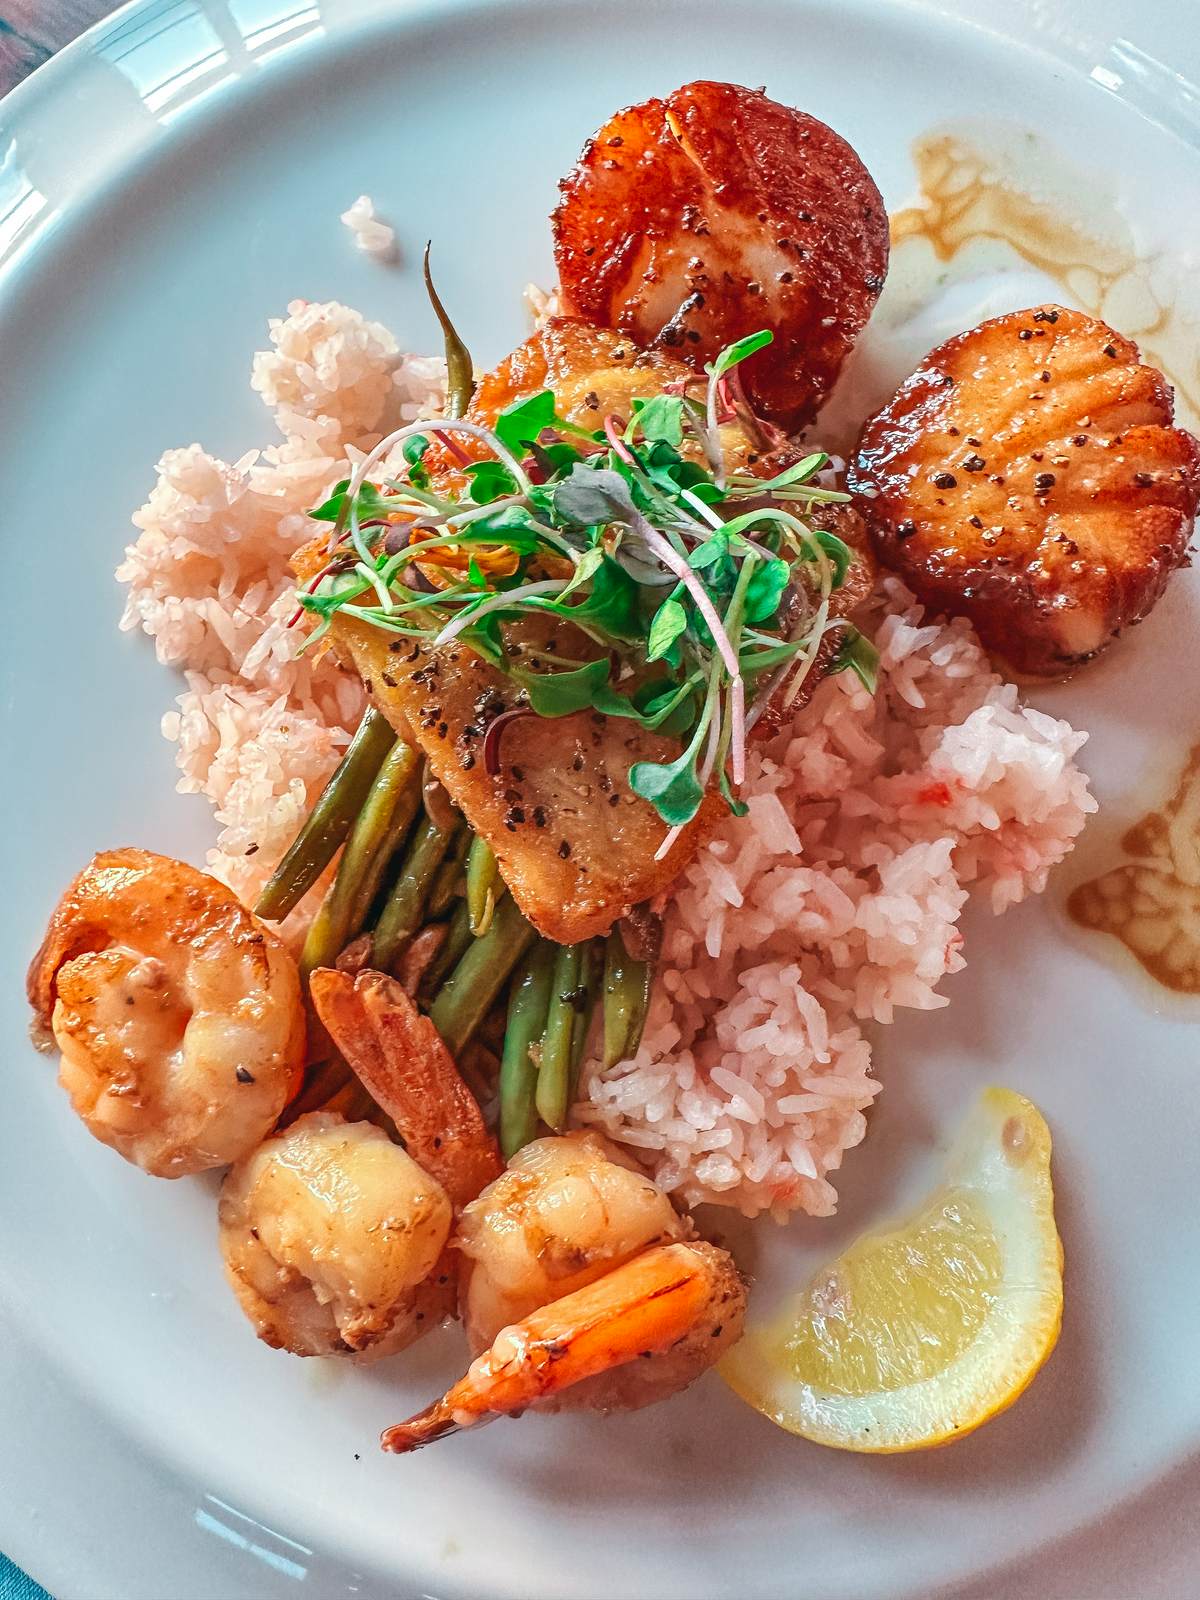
x: 401, y: 872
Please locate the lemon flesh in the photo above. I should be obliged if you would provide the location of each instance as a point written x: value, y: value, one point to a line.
x: 922, y: 1331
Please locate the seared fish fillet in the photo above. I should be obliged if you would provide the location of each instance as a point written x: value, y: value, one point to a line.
x: 575, y: 845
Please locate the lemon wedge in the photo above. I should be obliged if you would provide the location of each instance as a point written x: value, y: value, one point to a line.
x: 921, y: 1332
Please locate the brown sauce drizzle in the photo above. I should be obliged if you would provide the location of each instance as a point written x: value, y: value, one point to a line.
x: 1152, y: 904
x: 967, y: 197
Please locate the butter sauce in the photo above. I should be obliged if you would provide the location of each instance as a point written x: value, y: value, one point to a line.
x: 1003, y: 220
x: 1017, y: 194
x: 1152, y: 903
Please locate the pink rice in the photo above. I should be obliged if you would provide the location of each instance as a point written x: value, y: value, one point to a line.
x: 834, y: 902
x: 258, y: 731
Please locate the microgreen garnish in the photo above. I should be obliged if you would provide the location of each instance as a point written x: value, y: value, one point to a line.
x: 739, y: 350
x: 858, y: 654
x: 695, y: 591
x: 520, y: 424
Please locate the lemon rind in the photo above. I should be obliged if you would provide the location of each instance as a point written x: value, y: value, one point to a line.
x: 1019, y: 1333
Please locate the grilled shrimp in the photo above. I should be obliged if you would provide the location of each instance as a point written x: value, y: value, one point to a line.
x: 581, y: 1289
x: 692, y: 221
x: 1028, y: 476
x: 333, y: 1237
x: 640, y: 1333
x: 177, y: 1012
x: 565, y: 1211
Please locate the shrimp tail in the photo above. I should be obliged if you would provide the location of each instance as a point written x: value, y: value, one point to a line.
x: 402, y: 1061
x: 640, y: 1309
x: 427, y: 1427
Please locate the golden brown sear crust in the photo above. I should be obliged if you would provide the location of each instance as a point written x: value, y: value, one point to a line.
x: 693, y: 221
x: 1028, y: 476
x: 574, y: 843
x: 592, y: 372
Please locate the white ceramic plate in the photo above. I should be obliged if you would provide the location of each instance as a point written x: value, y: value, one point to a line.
x: 171, y: 180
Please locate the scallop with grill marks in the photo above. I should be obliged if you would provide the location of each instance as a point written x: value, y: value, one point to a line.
x: 1028, y: 476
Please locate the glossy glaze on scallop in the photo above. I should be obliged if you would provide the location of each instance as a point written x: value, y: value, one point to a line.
x: 1028, y: 476
x: 692, y: 221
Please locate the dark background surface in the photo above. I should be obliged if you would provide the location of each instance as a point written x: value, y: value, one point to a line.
x: 32, y: 30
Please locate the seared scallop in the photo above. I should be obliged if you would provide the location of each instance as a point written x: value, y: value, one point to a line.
x: 1028, y: 476
x: 692, y: 221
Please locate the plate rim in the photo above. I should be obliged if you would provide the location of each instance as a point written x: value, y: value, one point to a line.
x: 26, y: 1544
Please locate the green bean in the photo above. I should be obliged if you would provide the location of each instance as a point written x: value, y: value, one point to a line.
x: 382, y: 823
x: 553, y: 1095
x: 588, y: 989
x: 626, y: 1000
x: 447, y: 888
x: 330, y: 819
x: 449, y: 884
x: 401, y: 916
x: 460, y: 373
x: 484, y: 885
x: 528, y: 1002
x: 464, y: 998
x: 389, y: 812
x: 454, y: 947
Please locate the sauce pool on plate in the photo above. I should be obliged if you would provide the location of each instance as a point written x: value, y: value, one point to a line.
x: 1152, y: 903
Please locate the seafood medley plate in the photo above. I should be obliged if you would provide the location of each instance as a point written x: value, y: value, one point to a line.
x: 170, y: 181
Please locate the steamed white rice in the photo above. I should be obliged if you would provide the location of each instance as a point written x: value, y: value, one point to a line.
x: 258, y: 731
x: 372, y: 235
x: 835, y: 901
